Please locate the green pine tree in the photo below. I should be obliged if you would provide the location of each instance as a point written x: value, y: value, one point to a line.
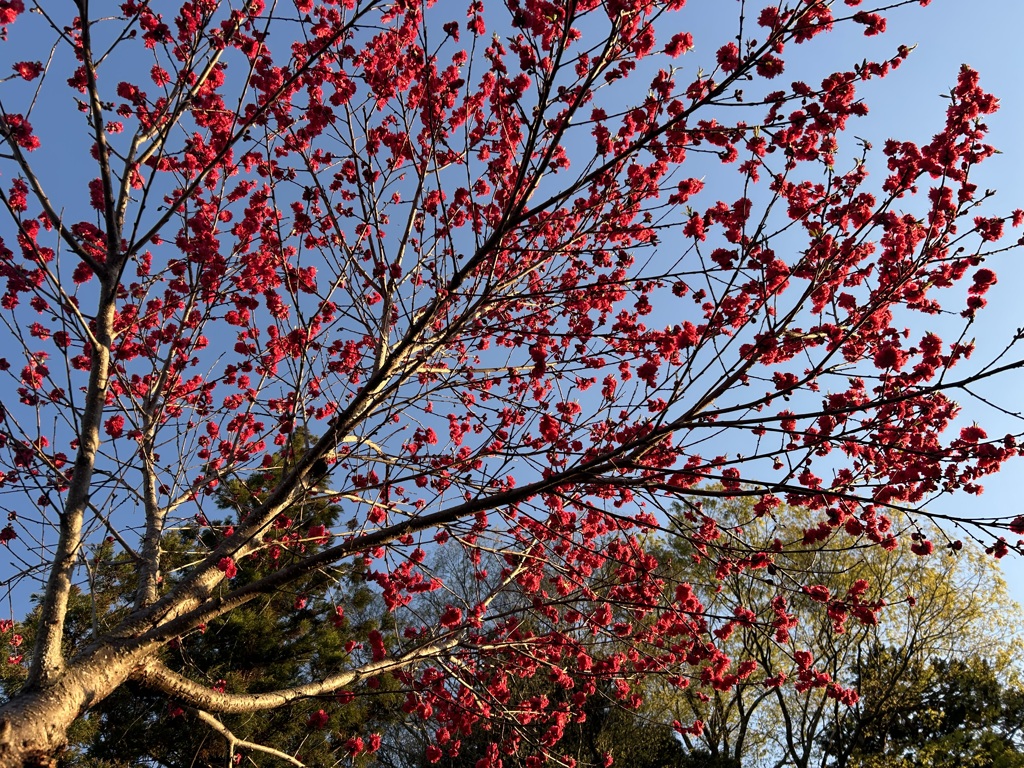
x: 276, y: 642
x: 942, y: 714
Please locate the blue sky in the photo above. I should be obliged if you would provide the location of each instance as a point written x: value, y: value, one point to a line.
x: 908, y: 105
x: 984, y: 34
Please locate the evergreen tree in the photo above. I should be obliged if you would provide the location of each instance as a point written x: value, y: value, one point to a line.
x: 942, y: 714
x: 281, y: 641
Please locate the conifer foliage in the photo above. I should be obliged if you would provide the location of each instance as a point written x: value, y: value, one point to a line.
x: 529, y: 271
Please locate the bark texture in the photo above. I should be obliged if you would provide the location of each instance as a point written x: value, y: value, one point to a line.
x: 34, y: 724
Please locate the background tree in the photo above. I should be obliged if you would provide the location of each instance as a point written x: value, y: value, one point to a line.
x: 872, y: 619
x: 942, y: 713
x: 940, y: 611
x: 480, y: 262
x: 593, y: 721
x: 287, y: 639
x: 602, y: 729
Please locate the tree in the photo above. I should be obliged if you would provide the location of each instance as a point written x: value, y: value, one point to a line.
x: 478, y: 260
x: 601, y: 729
x: 942, y: 611
x: 943, y: 713
x: 284, y: 640
x: 593, y: 729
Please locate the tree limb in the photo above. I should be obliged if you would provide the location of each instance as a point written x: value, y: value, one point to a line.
x: 156, y: 675
x: 233, y: 741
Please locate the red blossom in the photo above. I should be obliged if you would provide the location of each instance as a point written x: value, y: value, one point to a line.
x: 226, y: 565
x: 680, y: 43
x: 818, y: 592
x: 803, y: 659
x: 114, y: 426
x: 728, y: 57
x: 19, y: 130
x: 770, y: 67
x: 695, y: 228
x: 999, y: 548
x: 874, y: 24
x: 990, y: 229
x: 451, y: 617
x: 549, y: 428
x: 28, y: 70
x: 973, y: 434
x: 769, y: 17
x: 10, y: 10
x: 923, y: 547
x: 17, y: 197
x: 984, y: 277
x: 890, y: 356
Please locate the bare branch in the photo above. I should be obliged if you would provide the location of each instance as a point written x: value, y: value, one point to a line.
x: 236, y: 743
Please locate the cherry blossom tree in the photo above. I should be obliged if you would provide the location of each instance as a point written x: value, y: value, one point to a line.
x: 529, y: 273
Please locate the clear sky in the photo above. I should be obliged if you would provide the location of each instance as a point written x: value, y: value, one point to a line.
x: 908, y: 105
x: 985, y: 34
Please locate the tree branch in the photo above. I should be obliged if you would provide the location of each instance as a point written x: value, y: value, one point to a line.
x: 157, y: 676
x: 234, y: 742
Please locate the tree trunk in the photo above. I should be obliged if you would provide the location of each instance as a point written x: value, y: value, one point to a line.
x: 35, y: 722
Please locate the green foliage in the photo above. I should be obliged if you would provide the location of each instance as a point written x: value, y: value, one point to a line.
x: 283, y: 640
x: 940, y: 714
x: 938, y: 609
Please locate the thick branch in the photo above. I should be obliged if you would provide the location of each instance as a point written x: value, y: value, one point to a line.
x: 47, y: 657
x: 156, y: 675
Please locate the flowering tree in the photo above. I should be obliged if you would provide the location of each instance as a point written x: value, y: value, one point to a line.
x: 480, y: 258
